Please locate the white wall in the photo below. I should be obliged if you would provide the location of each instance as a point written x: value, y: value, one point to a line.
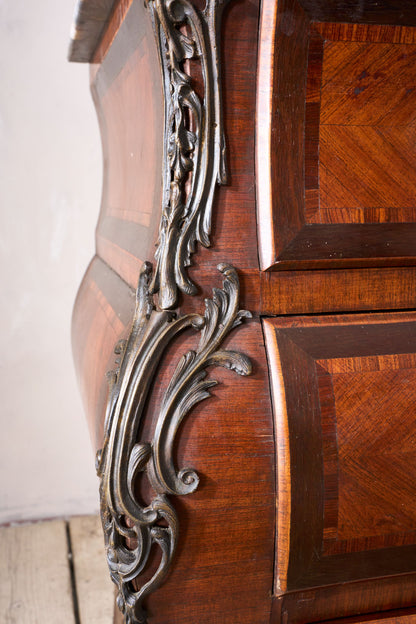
x: 50, y: 187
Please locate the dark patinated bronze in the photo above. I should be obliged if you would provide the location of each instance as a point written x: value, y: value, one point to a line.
x: 193, y: 139
x: 122, y: 457
x: 193, y: 165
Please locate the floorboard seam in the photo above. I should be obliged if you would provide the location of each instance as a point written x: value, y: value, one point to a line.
x: 72, y: 575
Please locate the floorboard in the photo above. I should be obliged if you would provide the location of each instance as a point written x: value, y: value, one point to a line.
x: 55, y: 571
x: 35, y: 581
x: 95, y: 591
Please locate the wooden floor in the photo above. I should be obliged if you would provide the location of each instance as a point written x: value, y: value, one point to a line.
x: 53, y: 572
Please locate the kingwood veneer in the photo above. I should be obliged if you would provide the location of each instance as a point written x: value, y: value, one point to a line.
x: 278, y: 139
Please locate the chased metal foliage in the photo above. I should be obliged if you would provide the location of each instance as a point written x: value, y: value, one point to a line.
x: 193, y: 165
x: 130, y: 528
x: 194, y: 146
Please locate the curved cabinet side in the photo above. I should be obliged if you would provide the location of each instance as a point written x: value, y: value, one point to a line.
x: 128, y: 96
x: 227, y: 526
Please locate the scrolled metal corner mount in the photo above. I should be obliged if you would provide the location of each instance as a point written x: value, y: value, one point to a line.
x: 194, y: 163
x: 130, y: 528
x: 194, y: 158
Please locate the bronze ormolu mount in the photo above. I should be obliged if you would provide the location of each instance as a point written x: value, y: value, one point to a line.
x: 193, y: 165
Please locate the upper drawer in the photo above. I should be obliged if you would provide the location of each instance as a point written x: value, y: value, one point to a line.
x: 336, y: 129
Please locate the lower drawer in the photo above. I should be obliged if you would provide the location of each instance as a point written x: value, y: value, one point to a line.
x: 344, y: 400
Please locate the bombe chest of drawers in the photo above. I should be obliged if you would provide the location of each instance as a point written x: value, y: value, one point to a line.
x: 245, y: 336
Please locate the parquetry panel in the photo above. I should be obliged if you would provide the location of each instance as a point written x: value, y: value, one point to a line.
x: 345, y: 412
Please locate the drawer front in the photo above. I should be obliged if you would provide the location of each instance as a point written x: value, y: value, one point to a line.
x: 335, y: 148
x: 344, y: 390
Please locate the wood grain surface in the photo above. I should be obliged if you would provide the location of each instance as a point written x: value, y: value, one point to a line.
x: 230, y: 443
x: 404, y: 616
x: 227, y: 440
x: 89, y: 24
x: 335, y: 144
x: 399, y: 12
x: 295, y: 292
x: 333, y: 231
x: 127, y: 92
x: 343, y: 393
x: 116, y: 18
x: 366, y: 125
x: 102, y: 315
x: 280, y: 126
x: 333, y: 601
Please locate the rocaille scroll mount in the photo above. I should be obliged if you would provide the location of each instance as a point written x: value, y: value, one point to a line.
x: 125, y: 519
x: 194, y: 145
x: 193, y: 165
